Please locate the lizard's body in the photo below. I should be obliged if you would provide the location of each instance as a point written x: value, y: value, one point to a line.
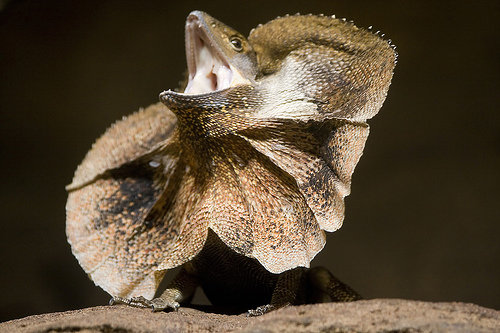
x: 237, y: 178
x: 231, y: 278
x: 227, y: 277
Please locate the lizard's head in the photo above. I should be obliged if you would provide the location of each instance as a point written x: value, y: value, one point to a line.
x: 218, y: 57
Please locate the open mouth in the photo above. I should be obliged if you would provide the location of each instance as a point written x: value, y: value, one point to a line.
x: 208, y: 69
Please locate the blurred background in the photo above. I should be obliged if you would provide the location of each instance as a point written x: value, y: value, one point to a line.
x: 423, y: 218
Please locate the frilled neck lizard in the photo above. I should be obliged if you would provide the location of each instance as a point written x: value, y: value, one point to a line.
x: 236, y: 178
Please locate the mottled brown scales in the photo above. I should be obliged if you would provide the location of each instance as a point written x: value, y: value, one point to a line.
x: 237, y: 177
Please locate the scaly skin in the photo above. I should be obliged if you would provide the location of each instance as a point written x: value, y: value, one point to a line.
x: 238, y: 178
x: 230, y: 278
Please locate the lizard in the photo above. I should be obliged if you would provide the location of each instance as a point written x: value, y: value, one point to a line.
x: 237, y: 178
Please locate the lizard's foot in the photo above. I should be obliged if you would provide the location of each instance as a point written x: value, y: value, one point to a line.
x: 263, y: 309
x: 156, y: 304
x: 259, y: 311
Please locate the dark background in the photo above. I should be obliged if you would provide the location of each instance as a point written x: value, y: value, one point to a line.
x: 422, y: 220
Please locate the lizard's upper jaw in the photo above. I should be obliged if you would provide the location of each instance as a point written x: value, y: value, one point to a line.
x: 209, y: 69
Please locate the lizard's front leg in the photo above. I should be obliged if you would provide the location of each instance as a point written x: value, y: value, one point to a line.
x: 324, y: 287
x: 307, y: 286
x: 181, y: 289
x: 288, y: 291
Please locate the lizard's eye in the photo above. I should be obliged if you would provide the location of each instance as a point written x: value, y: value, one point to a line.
x: 236, y: 43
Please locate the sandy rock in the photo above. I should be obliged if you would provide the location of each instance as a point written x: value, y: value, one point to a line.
x: 362, y: 316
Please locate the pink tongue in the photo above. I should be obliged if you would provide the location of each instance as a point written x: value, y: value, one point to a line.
x: 211, y: 74
x: 224, y: 77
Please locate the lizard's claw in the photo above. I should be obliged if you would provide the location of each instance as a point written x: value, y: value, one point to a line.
x: 259, y: 311
x: 156, y: 304
x: 263, y: 309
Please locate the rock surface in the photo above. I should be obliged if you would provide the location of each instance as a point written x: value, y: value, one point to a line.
x: 363, y: 316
